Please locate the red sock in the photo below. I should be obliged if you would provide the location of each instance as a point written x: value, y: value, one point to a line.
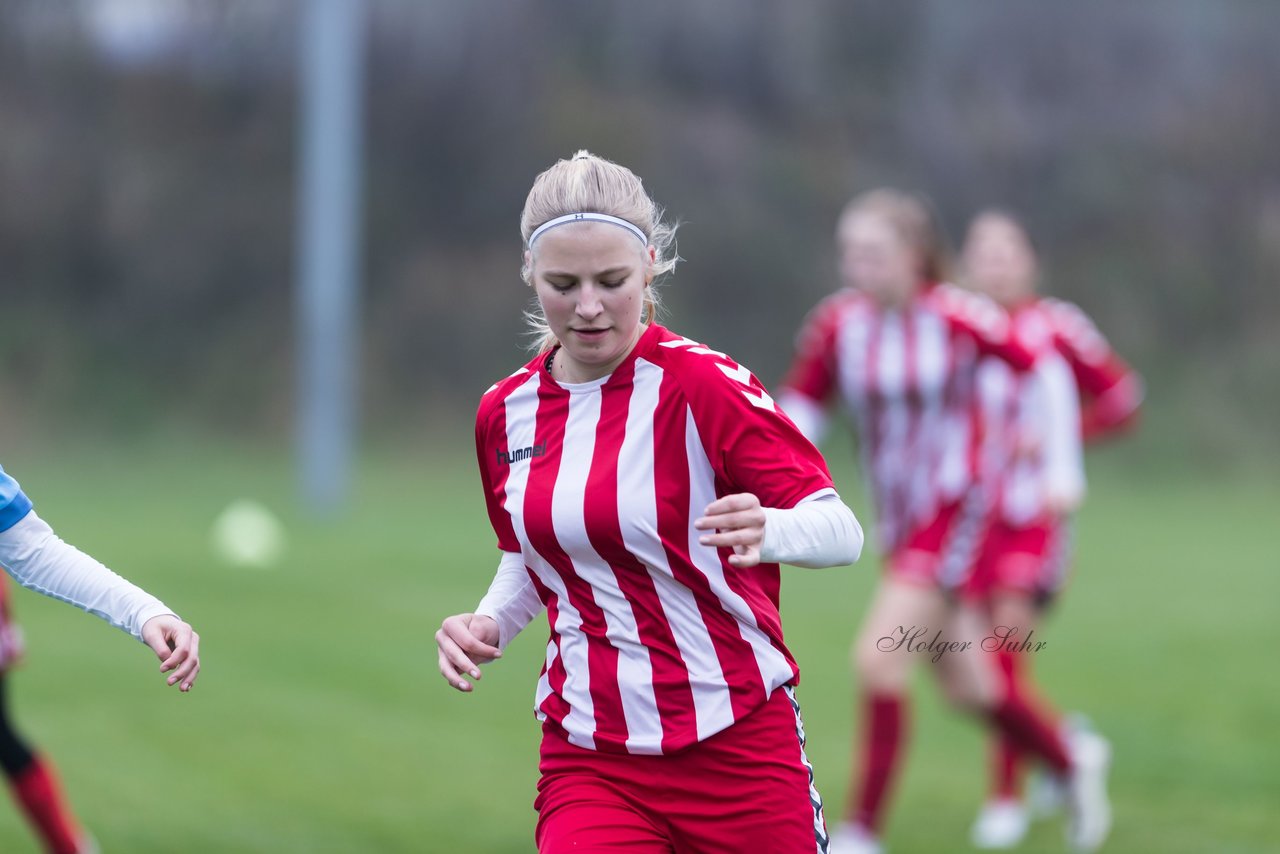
x: 1006, y: 756
x: 1031, y: 731
x: 36, y: 790
x: 884, y: 729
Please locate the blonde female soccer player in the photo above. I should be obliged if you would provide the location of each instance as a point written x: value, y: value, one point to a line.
x: 34, y: 555
x: 900, y: 347
x: 644, y: 488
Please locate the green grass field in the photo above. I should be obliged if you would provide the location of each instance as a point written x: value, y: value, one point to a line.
x: 320, y: 724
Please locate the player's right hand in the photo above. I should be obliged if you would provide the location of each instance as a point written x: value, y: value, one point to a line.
x: 177, y: 646
x: 464, y: 642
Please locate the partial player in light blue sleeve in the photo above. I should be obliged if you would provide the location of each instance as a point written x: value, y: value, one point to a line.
x: 39, y: 560
x: 14, y: 504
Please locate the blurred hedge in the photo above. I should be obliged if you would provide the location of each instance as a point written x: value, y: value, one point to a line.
x: 147, y: 175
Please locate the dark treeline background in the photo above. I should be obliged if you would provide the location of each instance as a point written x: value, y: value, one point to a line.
x: 147, y: 181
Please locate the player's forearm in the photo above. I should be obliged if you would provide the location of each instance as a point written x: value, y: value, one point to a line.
x: 512, y: 601
x: 985, y: 323
x: 816, y: 533
x: 1064, y: 458
x: 1114, y: 411
x: 39, y: 560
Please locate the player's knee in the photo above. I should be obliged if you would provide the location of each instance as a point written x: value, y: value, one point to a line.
x: 878, y: 671
x: 967, y: 699
x: 1016, y: 611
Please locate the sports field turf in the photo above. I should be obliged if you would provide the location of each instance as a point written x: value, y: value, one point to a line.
x: 319, y: 723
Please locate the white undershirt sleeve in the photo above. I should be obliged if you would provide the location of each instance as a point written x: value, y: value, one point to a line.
x: 1064, y: 456
x: 39, y: 560
x: 512, y: 600
x: 818, y: 532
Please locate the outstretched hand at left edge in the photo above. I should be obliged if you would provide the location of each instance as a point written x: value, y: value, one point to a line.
x: 177, y: 646
x: 738, y: 522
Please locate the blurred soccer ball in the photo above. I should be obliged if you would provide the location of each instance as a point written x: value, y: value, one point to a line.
x: 249, y: 535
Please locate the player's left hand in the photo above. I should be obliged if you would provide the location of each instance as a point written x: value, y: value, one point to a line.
x: 177, y: 646
x: 1027, y: 445
x: 1062, y: 500
x: 738, y: 521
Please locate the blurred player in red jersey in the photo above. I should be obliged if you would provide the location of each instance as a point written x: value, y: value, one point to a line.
x: 1032, y: 472
x: 901, y: 348
x: 38, y: 559
x: 644, y: 488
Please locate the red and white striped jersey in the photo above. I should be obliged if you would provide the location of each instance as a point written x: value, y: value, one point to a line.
x: 656, y: 642
x: 906, y: 375
x: 1030, y: 426
x: 1111, y: 390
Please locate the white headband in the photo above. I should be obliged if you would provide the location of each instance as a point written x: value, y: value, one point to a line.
x: 588, y: 217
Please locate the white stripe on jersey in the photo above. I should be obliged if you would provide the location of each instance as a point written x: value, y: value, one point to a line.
x: 773, y: 666
x: 851, y: 348
x: 955, y: 432
x: 579, y: 724
x: 636, y: 489
x: 933, y: 364
x: 911, y: 412
x: 1031, y: 442
x: 851, y: 351
x: 568, y: 502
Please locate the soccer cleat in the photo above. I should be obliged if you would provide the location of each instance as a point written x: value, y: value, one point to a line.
x: 1047, y: 794
x: 1090, y: 811
x: 1001, y: 824
x: 851, y: 838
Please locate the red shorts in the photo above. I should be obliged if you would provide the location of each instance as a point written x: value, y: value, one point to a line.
x: 940, y: 551
x: 1031, y: 559
x: 747, y: 788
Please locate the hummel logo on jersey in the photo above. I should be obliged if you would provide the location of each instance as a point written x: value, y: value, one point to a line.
x: 759, y: 398
x: 521, y: 454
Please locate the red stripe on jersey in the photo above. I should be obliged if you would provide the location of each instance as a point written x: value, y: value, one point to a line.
x: 602, y: 656
x: 672, y: 474
x: 814, y: 372
x: 491, y: 422
x: 912, y: 396
x: 672, y: 692
x: 554, y: 706
x: 1112, y: 390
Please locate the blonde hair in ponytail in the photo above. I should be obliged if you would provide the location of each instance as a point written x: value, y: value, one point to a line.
x: 586, y: 183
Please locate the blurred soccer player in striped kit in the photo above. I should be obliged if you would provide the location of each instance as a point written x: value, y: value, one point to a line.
x: 644, y: 489
x: 901, y: 349
x: 1032, y: 472
x: 34, y: 555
